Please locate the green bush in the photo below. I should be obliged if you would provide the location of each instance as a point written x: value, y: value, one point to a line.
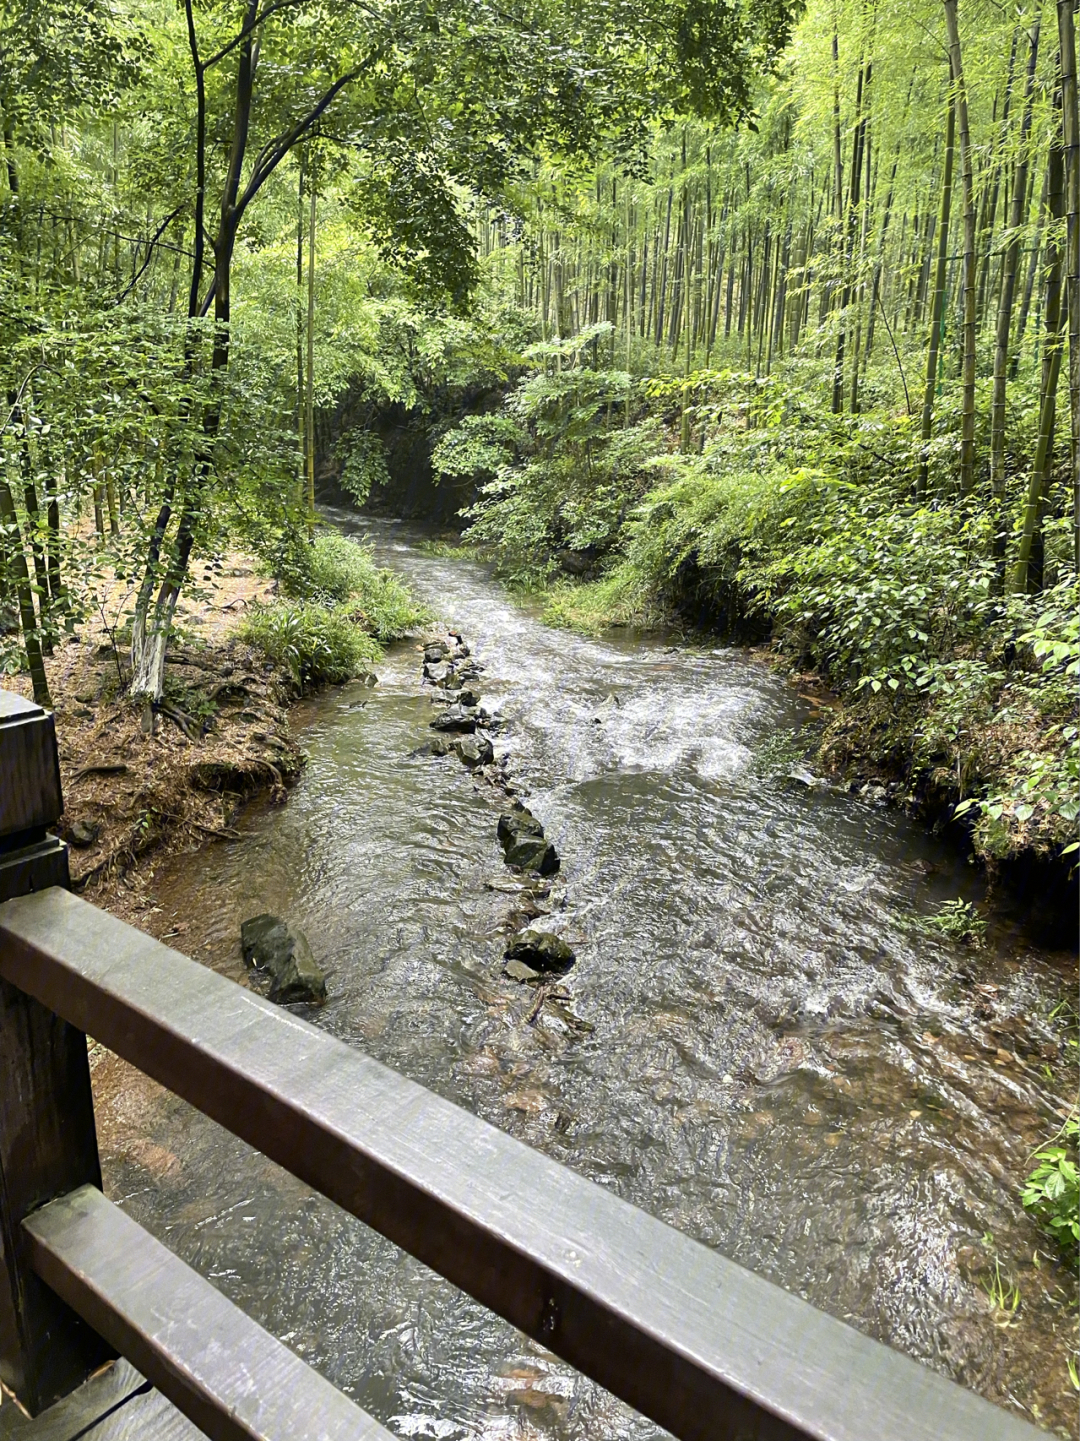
x: 315, y: 644
x: 333, y: 570
x: 1051, y: 1193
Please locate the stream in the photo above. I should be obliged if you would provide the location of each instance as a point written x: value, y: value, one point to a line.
x: 761, y: 1044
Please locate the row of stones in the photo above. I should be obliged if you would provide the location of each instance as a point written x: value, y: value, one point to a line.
x: 451, y: 670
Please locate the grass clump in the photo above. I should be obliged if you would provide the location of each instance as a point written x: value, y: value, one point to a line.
x: 334, y: 571
x: 960, y: 921
x: 314, y: 644
x: 337, y: 610
x: 616, y: 599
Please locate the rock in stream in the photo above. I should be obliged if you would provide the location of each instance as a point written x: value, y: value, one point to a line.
x: 272, y: 945
x: 522, y: 838
x: 540, y: 951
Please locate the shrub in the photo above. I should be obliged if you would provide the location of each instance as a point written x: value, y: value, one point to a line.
x: 315, y: 644
x: 333, y: 571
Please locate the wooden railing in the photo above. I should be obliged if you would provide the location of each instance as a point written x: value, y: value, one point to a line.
x: 704, y: 1347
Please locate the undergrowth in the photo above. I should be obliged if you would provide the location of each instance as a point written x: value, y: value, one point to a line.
x: 1051, y: 1193
x: 337, y: 610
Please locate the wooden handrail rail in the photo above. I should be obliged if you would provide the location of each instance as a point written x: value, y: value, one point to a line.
x: 701, y: 1345
x: 216, y: 1365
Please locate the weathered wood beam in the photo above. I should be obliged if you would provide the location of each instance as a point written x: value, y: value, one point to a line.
x: 704, y: 1347
x: 216, y: 1365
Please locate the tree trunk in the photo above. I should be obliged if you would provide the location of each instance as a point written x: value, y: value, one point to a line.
x: 1010, y: 267
x: 1070, y: 120
x: 300, y: 320
x: 1039, y: 479
x: 848, y: 252
x: 16, y: 561
x: 1029, y: 286
x: 937, y: 305
x: 309, y: 423
x: 970, y: 319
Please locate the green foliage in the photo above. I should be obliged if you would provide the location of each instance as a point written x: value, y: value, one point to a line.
x: 808, y: 525
x: 314, y: 644
x: 1051, y: 1193
x: 193, y: 701
x: 960, y: 921
x: 478, y: 446
x: 336, y: 573
x: 363, y: 468
x: 560, y: 466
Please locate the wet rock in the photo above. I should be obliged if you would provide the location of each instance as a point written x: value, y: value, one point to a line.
x: 607, y: 708
x: 518, y: 822
x: 82, y: 834
x: 542, y: 951
x: 532, y: 853
x: 437, y: 746
x: 576, y: 562
x: 519, y: 971
x: 473, y: 750
x: 439, y: 673
x: 455, y: 719
x: 270, y: 944
x: 522, y: 838
x: 469, y: 697
x: 805, y: 778
x: 435, y: 651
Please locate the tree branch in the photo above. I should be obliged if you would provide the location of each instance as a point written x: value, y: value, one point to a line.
x: 275, y: 152
x: 149, y: 256
x: 247, y: 28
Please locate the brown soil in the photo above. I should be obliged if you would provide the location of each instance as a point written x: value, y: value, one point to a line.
x: 131, y: 790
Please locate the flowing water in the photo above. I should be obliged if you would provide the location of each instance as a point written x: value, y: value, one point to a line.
x: 759, y: 1043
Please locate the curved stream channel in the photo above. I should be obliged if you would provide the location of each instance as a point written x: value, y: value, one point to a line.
x: 774, y: 1057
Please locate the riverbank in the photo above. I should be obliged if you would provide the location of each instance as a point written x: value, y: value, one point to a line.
x: 928, y: 751
x: 221, y: 736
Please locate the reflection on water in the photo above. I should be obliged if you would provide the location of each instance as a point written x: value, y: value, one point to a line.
x: 775, y: 1060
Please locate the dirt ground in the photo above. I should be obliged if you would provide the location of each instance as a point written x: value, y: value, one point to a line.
x: 222, y: 734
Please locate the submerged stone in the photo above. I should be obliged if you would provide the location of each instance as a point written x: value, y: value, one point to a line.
x: 272, y: 945
x: 437, y: 746
x: 519, y: 971
x: 542, y: 951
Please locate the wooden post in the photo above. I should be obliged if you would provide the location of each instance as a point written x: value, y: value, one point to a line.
x: 48, y: 1144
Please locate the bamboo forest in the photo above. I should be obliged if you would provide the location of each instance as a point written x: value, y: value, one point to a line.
x: 696, y: 383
